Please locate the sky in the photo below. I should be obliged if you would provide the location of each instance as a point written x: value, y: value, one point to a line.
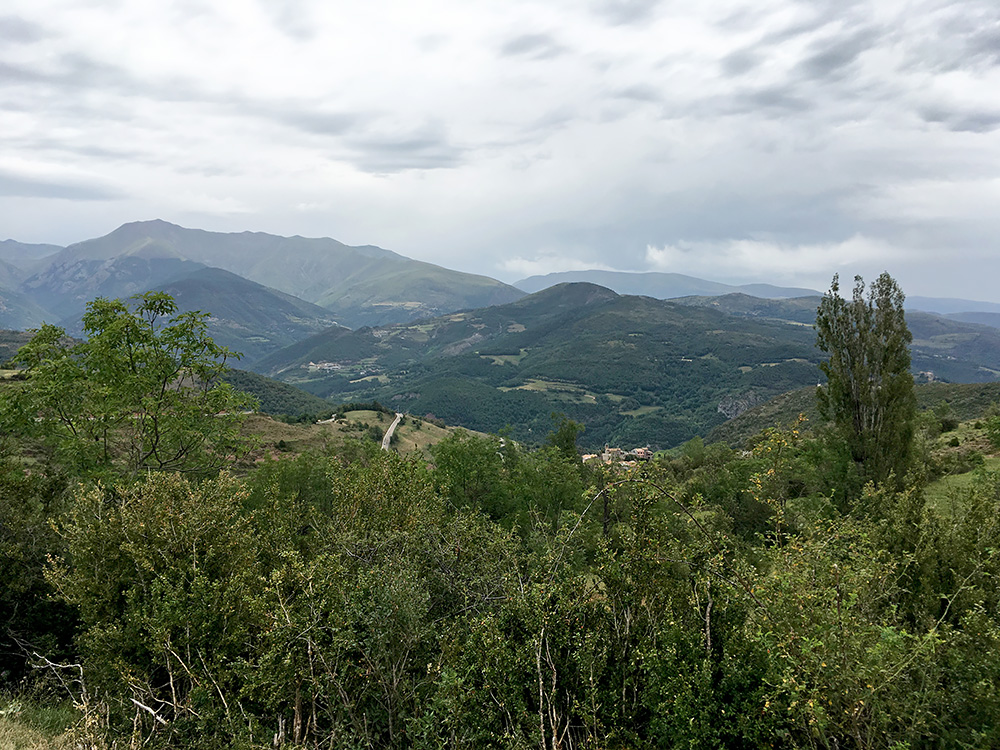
x: 774, y: 140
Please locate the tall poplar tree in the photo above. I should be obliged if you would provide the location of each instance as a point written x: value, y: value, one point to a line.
x: 869, y: 391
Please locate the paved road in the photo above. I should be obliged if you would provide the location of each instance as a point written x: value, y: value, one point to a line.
x: 392, y: 429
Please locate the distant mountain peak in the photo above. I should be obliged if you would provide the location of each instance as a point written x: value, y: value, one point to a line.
x: 364, y: 285
x: 659, y: 285
x: 577, y: 292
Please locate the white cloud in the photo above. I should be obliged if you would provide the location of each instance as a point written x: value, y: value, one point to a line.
x: 931, y: 200
x: 544, y: 264
x: 743, y: 260
x: 733, y: 138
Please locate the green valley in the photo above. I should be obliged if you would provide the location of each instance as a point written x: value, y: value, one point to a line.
x: 630, y: 369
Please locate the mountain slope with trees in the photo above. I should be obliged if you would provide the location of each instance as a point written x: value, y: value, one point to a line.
x: 943, y: 347
x: 360, y: 285
x: 630, y: 369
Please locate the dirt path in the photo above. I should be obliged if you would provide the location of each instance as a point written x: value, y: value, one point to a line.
x: 392, y: 429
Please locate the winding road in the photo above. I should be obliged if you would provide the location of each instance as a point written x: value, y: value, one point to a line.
x: 392, y: 429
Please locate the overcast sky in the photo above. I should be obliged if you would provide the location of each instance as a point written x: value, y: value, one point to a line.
x: 770, y: 140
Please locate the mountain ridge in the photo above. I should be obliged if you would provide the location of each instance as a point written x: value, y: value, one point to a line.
x: 364, y: 285
x: 657, y: 284
x: 624, y: 366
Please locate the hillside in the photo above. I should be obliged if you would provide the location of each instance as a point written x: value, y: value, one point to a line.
x: 71, y: 280
x: 631, y: 369
x: 654, y: 284
x: 245, y: 316
x: 275, y: 397
x: 991, y: 319
x: 413, y: 436
x: 943, y: 348
x: 19, y: 313
x: 360, y: 285
x: 965, y: 400
x: 675, y: 285
x: 10, y: 342
x: 25, y: 255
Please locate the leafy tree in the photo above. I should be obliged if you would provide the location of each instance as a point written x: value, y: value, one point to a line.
x: 164, y: 574
x: 143, y: 391
x: 869, y: 391
x: 30, y: 620
x: 564, y: 436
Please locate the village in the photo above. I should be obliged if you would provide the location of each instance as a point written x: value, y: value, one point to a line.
x: 619, y: 456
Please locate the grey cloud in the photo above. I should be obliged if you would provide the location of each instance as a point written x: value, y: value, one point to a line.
x: 63, y: 146
x: 985, y: 44
x: 427, y: 147
x: 71, y: 72
x: 781, y: 99
x: 968, y: 120
x: 622, y: 12
x: 61, y: 81
x: 818, y: 14
x: 86, y: 71
x: 742, y: 19
x: 317, y: 122
x: 639, y: 92
x: 775, y: 102
x: 829, y: 58
x: 739, y: 62
x: 14, y: 30
x: 935, y: 114
x: 534, y: 46
x: 967, y: 37
x: 977, y: 122
x: 974, y: 31
x: 796, y: 29
x: 99, y: 152
x: 17, y: 74
x: 551, y: 121
x: 14, y: 185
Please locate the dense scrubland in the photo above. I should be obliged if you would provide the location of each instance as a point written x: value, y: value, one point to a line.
x: 813, y: 588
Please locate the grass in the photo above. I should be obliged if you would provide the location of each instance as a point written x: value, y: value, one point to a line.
x: 29, y: 725
x: 278, y: 438
x: 373, y: 379
x: 557, y: 390
x: 413, y: 435
x: 505, y: 359
x: 643, y: 410
x: 943, y: 493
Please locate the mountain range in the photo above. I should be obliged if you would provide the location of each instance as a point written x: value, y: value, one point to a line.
x: 334, y: 283
x: 637, y: 358
x: 629, y: 368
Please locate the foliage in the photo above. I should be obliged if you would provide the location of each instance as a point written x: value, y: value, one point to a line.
x: 142, y: 392
x: 343, y: 409
x: 576, y: 349
x: 565, y: 435
x: 363, y: 600
x: 510, y: 597
x: 869, y: 390
x: 30, y: 619
x: 992, y: 427
x: 279, y: 398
